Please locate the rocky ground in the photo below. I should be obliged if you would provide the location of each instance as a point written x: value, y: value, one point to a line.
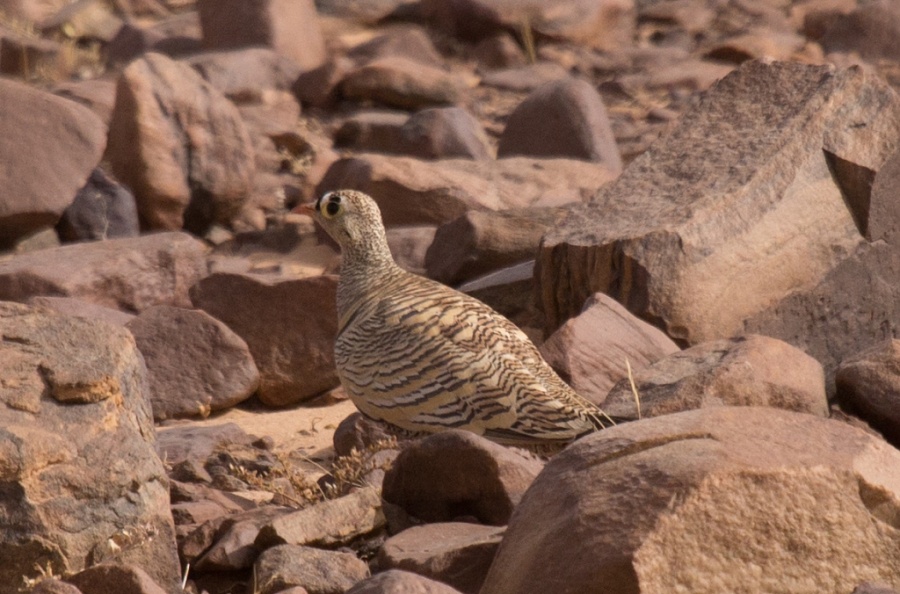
x: 691, y: 205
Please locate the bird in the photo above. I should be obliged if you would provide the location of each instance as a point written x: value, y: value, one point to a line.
x: 422, y: 357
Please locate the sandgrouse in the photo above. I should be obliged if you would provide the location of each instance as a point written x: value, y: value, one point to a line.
x: 424, y: 357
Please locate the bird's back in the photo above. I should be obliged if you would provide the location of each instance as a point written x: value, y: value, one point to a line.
x: 424, y: 357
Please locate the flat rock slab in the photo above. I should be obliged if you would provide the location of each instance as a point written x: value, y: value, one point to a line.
x: 456, y: 553
x: 289, y: 324
x: 396, y: 581
x: 759, y: 193
x: 131, y: 274
x: 83, y: 483
x: 664, y: 505
x: 318, y: 571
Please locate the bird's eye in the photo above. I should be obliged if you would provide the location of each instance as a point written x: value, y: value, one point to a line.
x: 332, y: 207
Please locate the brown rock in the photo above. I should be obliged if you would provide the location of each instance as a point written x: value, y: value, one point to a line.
x: 590, y: 351
x: 872, y: 30
x: 659, y: 505
x: 288, y: 324
x: 565, y: 118
x: 372, y: 130
x: 84, y: 484
x: 195, y: 363
x: 691, y: 229
x: 401, y: 82
x: 499, y: 51
x: 174, y: 36
x: 868, y: 384
x: 873, y: 588
x: 234, y: 540
x: 54, y: 586
x: 328, y: 524
x: 81, y: 309
x: 48, y: 147
x: 122, y: 579
x: 603, y: 25
x: 97, y: 94
x: 525, y: 78
x: 290, y: 27
x: 456, y: 474
x: 320, y: 87
x: 754, y: 44
x: 409, y: 245
x: 160, y: 145
x: 246, y: 71
x: 746, y: 371
x: 320, y: 572
x: 358, y: 432
x: 395, y: 581
x: 455, y: 553
x: 102, y: 209
x: 410, y: 42
x: 414, y: 192
x: 479, y: 242
x: 131, y: 274
x: 177, y: 443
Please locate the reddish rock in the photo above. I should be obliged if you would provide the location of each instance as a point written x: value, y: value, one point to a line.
x: 233, y: 542
x: 54, y: 586
x: 605, y: 24
x: 175, y: 36
x: 479, y: 242
x: 161, y: 146
x: 660, y: 505
x: 246, y: 71
x: 97, y: 94
x: 81, y: 309
x: 868, y: 384
x: 318, y: 571
x: 48, y: 147
x: 410, y: 42
x: 499, y: 51
x: 124, y: 579
x: 288, y: 324
x: 455, y: 553
x: 401, y: 82
x: 525, y: 78
x: 409, y: 245
x: 747, y: 371
x: 414, y: 192
x: 84, y: 484
x: 290, y: 27
x: 456, y: 474
x: 195, y: 364
x: 102, y: 209
x: 593, y: 350
x: 130, y: 274
x: 565, y: 118
x: 396, y: 581
x: 358, y: 432
x: 31, y: 58
x: 872, y: 31
x: 320, y: 87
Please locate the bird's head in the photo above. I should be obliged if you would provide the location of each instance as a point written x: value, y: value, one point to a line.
x: 353, y: 220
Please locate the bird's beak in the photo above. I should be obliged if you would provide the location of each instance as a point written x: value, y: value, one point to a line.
x: 308, y: 209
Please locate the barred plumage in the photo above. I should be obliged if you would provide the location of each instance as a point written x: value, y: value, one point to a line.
x: 424, y: 357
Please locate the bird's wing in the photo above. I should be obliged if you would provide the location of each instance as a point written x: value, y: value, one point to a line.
x: 432, y: 357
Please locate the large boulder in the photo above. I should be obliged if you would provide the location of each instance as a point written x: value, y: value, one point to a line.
x: 759, y: 193
x: 180, y: 145
x: 715, y: 500
x: 48, y: 147
x: 81, y: 481
x: 868, y: 384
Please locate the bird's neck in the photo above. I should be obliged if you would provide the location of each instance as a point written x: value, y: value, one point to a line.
x: 363, y: 273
